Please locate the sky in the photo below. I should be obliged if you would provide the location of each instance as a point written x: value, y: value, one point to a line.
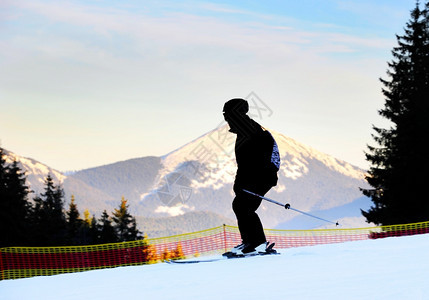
x: 86, y: 83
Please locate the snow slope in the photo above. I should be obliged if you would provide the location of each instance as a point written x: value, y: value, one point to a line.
x: 392, y: 268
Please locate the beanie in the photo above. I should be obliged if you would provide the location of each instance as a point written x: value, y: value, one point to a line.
x: 236, y: 106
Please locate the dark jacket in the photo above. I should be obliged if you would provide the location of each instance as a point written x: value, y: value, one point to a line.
x: 257, y: 159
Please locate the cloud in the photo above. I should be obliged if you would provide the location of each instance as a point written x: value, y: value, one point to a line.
x: 132, y: 63
x: 174, y: 210
x: 75, y: 48
x: 180, y: 28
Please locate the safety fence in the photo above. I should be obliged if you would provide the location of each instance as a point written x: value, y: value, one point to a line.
x: 21, y: 262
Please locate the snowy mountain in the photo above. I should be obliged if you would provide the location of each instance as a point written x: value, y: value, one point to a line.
x: 87, y: 196
x: 198, y: 177
x: 35, y: 171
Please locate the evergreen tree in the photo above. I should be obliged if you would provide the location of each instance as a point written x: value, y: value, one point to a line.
x: 87, y: 218
x: 4, y: 203
x: 125, y: 224
x: 48, y: 217
x: 106, y: 230
x: 74, y: 223
x: 37, y: 224
x: 94, y: 233
x: 14, y: 205
x: 3, y: 170
x: 83, y: 231
x: 399, y: 163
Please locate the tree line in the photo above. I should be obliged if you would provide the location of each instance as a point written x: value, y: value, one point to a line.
x: 44, y: 221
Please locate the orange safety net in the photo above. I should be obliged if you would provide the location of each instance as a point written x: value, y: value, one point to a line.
x: 21, y: 262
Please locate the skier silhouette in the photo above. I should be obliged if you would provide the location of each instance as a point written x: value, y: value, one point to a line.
x: 258, y: 162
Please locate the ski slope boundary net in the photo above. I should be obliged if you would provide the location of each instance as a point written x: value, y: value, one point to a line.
x: 22, y: 262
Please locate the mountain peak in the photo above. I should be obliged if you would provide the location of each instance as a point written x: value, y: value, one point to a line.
x: 290, y: 148
x: 215, y: 150
x: 35, y: 171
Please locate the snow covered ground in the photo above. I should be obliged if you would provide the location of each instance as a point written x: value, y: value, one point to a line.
x: 391, y: 268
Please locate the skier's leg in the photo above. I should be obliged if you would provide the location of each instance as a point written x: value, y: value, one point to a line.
x: 241, y: 212
x: 249, y: 223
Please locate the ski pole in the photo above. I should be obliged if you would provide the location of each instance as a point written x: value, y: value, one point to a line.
x: 287, y: 206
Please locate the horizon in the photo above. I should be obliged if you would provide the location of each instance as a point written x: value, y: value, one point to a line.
x: 86, y: 83
x: 206, y: 147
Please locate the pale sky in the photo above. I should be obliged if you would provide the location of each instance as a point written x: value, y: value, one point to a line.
x: 87, y: 83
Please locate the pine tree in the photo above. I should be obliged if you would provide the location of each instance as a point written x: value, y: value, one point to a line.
x: 87, y: 218
x: 14, y: 205
x: 48, y: 216
x: 125, y: 224
x: 107, y: 232
x: 3, y: 171
x: 4, y: 203
x: 85, y: 228
x: 399, y: 164
x: 20, y: 208
x: 74, y: 223
x: 94, y: 231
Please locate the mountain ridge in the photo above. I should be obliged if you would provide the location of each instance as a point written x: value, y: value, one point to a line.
x: 198, y: 177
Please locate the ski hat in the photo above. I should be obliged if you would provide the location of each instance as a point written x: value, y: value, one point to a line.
x: 236, y: 106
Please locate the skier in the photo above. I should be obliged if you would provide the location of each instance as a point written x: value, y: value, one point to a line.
x: 258, y: 161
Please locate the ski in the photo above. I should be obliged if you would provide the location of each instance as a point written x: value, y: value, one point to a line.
x: 169, y: 261
x: 195, y: 261
x: 225, y: 256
